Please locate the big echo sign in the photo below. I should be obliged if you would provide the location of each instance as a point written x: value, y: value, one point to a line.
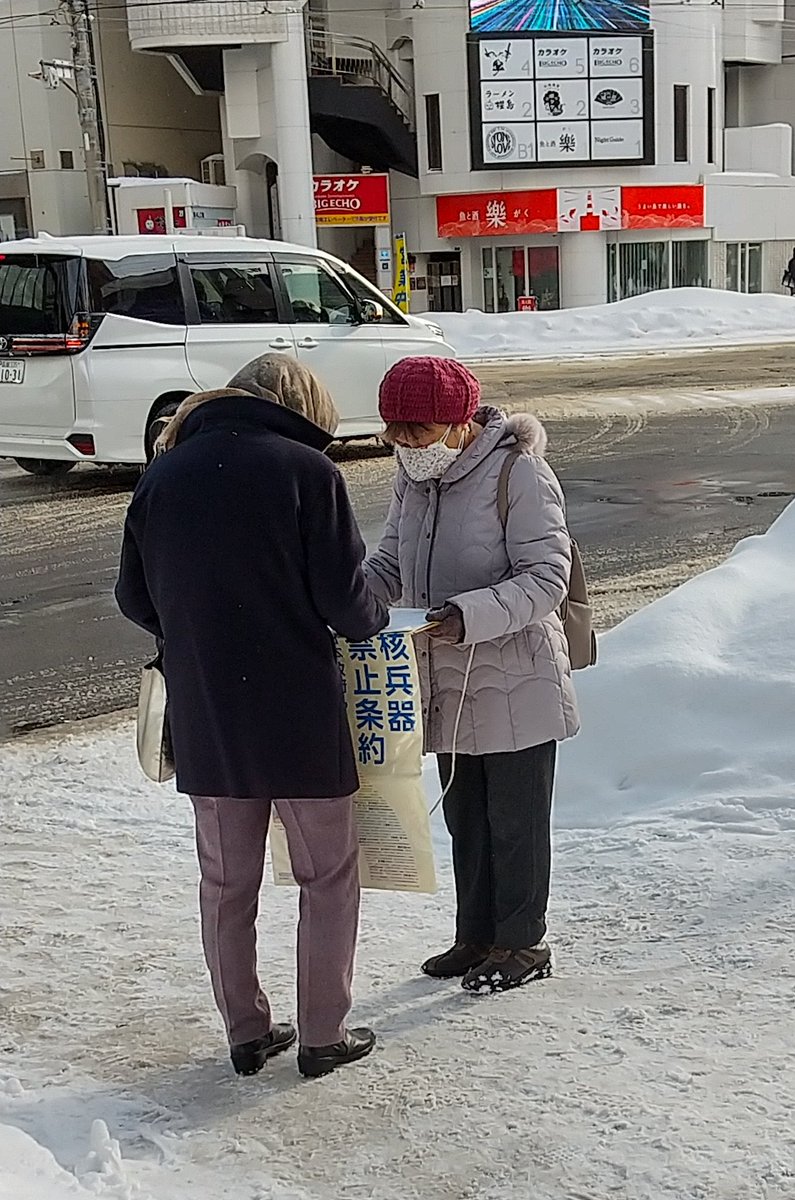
x: 351, y: 199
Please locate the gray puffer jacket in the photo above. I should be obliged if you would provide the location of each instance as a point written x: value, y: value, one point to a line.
x: 444, y: 542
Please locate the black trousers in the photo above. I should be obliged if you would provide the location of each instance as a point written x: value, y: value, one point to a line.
x: 498, y: 812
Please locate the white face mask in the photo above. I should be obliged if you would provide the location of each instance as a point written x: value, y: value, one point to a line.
x: 429, y: 462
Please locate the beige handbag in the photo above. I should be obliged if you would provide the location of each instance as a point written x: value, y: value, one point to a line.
x: 153, y: 737
x: 575, y: 612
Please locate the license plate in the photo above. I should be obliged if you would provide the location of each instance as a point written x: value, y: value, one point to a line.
x: 12, y: 372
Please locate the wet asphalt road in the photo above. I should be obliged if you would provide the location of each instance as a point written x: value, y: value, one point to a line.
x: 651, y: 499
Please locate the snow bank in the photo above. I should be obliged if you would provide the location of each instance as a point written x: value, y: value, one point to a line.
x: 29, y: 1172
x: 683, y: 317
x: 693, y: 703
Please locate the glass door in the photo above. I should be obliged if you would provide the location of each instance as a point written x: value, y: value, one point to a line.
x: 511, y: 272
x: 744, y: 266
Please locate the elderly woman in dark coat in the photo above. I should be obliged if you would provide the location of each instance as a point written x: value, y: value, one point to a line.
x: 240, y: 553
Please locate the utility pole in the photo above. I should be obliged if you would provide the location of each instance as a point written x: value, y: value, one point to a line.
x: 79, y: 21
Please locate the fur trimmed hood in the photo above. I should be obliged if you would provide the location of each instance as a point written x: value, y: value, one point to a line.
x: 529, y: 433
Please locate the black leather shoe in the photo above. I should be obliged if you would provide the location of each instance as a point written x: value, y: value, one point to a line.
x: 314, y: 1061
x: 250, y: 1057
x: 458, y: 960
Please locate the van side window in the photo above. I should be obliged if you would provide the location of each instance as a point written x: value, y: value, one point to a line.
x: 315, y: 295
x: 144, y: 287
x: 239, y: 295
x: 369, y: 294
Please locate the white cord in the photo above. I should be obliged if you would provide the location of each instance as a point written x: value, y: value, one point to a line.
x: 464, y: 687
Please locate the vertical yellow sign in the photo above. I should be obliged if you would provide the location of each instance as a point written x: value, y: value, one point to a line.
x: 401, y: 293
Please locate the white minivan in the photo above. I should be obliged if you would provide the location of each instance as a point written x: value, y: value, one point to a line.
x: 102, y: 336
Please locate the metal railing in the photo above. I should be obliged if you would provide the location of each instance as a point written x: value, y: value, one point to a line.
x: 357, y: 60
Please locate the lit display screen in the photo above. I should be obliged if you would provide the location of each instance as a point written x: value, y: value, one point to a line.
x: 558, y: 16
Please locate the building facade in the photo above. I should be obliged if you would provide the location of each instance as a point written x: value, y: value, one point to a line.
x: 656, y: 154
x: 152, y: 122
x: 539, y: 155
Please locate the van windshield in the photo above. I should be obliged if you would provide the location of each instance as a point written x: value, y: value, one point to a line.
x: 38, y: 293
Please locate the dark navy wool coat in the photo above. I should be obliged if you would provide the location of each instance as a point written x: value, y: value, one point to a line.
x: 241, y: 552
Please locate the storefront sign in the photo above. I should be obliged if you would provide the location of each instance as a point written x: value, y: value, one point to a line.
x: 153, y: 220
x: 513, y: 15
x: 497, y: 214
x: 527, y: 304
x: 351, y: 199
x: 581, y: 210
x: 570, y: 210
x: 662, y: 207
x: 540, y: 99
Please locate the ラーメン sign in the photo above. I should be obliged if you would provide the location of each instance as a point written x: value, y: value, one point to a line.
x: 351, y: 199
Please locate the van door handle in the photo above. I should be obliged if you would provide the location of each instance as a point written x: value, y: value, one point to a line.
x: 281, y: 344
x: 307, y: 344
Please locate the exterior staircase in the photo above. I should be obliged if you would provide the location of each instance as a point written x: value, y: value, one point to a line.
x: 359, y: 104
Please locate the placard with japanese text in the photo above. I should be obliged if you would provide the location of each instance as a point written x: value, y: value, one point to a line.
x: 382, y: 692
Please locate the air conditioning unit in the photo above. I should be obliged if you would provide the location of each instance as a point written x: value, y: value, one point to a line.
x: 214, y: 170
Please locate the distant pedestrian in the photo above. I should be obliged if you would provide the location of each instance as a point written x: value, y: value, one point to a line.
x: 495, y: 673
x: 240, y: 553
x: 788, y: 278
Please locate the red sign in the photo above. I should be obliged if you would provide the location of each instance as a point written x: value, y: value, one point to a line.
x: 527, y: 304
x: 351, y: 199
x: 495, y: 214
x: 674, y: 207
x: 569, y: 210
x: 153, y: 220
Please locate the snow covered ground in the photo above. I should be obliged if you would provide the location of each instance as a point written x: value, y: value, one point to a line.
x: 657, y: 1064
x: 682, y: 318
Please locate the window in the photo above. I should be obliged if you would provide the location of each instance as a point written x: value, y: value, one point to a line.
x: 366, y: 294
x: 634, y: 268
x: 433, y: 132
x: 711, y: 125
x: 67, y: 160
x: 744, y: 266
x: 315, y: 295
x: 239, y: 295
x: 510, y: 272
x: 689, y: 264
x: 144, y: 287
x: 38, y: 293
x: 637, y: 268
x: 681, y: 122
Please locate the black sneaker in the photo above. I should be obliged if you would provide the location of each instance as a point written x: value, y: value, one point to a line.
x: 459, y: 959
x: 506, y: 969
x: 250, y: 1057
x: 314, y: 1061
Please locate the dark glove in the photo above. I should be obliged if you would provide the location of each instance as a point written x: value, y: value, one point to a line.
x: 448, y: 624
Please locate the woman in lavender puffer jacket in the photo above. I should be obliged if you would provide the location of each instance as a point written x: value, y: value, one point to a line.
x: 495, y: 591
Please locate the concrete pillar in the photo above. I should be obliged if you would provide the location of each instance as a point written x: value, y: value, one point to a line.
x: 293, y: 137
x: 583, y: 269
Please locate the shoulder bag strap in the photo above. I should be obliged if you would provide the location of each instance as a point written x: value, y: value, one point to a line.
x: 502, y: 484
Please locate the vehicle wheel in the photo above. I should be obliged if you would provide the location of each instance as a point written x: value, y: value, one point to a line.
x: 155, y: 426
x: 45, y: 466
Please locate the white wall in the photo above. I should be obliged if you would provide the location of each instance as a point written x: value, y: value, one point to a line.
x: 37, y: 118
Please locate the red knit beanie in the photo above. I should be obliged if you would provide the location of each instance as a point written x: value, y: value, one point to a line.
x: 429, y: 391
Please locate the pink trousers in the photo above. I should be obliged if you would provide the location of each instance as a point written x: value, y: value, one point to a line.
x: 230, y: 838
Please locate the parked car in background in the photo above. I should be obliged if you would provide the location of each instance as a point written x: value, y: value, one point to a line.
x: 100, y: 337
